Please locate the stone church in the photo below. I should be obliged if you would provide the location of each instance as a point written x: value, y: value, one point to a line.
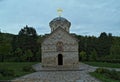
x: 60, y: 47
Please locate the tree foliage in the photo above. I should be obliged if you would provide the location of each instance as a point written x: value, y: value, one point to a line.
x: 115, y: 49
x: 27, y: 42
x: 93, y: 55
x: 5, y: 47
x: 83, y: 55
x: 104, y: 44
x: 26, y: 46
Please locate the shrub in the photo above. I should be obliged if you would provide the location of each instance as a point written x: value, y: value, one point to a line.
x: 1, y: 69
x: 113, y: 74
x: 7, y: 72
x: 109, y: 60
x: 83, y: 56
x: 102, y: 70
x: 28, y: 69
x: 93, y: 56
x: 0, y: 75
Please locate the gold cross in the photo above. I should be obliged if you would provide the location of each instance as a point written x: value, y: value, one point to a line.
x: 59, y: 10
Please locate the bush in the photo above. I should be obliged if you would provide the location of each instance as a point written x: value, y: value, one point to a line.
x: 102, y: 70
x: 113, y: 74
x: 0, y: 75
x: 7, y: 72
x: 93, y: 56
x: 83, y: 56
x: 109, y: 60
x: 28, y: 69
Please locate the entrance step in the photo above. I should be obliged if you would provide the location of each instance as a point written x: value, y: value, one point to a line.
x: 45, y: 80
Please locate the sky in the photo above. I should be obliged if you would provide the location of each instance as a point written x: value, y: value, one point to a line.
x: 87, y: 17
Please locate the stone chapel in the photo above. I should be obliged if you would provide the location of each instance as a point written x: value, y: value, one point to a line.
x: 60, y: 47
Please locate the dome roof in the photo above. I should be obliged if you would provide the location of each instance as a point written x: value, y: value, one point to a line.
x: 57, y: 20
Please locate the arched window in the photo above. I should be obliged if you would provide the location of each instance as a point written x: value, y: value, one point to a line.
x: 59, y: 46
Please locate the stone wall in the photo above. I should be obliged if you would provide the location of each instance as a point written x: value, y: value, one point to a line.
x: 69, y: 53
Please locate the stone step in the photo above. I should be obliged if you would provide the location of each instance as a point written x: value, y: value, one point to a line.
x: 38, y: 80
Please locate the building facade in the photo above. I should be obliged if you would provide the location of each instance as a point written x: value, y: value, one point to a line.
x: 60, y: 48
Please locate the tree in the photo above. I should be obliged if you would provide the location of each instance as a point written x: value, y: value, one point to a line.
x: 28, y: 55
x: 83, y: 55
x: 18, y: 54
x: 5, y: 47
x: 27, y: 40
x: 103, y: 44
x: 115, y: 49
x: 93, y: 55
x: 38, y: 56
x: 28, y: 31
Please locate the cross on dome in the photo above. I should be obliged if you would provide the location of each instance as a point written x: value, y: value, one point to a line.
x: 59, y: 10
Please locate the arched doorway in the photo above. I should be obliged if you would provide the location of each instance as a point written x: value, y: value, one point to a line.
x: 60, y: 59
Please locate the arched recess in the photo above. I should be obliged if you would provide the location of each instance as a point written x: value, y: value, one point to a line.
x: 60, y: 59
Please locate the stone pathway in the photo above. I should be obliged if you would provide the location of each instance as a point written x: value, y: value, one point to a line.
x: 60, y: 75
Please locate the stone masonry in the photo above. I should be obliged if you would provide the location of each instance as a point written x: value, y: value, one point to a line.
x: 60, y: 48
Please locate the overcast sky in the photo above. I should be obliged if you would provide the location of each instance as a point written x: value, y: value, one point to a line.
x: 88, y: 17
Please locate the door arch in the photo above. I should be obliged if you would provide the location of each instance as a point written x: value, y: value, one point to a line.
x: 60, y: 59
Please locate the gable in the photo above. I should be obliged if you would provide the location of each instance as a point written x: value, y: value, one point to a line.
x: 60, y: 35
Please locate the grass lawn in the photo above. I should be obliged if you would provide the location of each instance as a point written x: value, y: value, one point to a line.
x: 103, y: 64
x: 17, y: 67
x: 102, y: 77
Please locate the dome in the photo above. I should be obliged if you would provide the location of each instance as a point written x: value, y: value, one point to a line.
x: 60, y: 22
x: 59, y: 19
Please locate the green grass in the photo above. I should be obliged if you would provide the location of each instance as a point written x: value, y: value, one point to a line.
x: 17, y: 67
x: 104, y: 64
x: 102, y: 77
